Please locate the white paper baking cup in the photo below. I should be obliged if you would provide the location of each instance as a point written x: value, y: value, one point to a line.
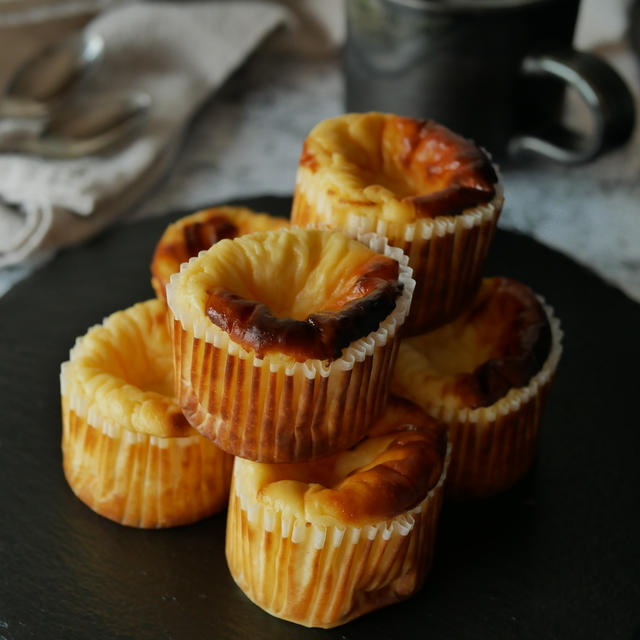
x: 140, y: 480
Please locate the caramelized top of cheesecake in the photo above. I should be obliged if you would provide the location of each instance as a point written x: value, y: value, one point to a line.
x: 199, y: 231
x: 302, y: 293
x: 363, y: 302
x: 389, y: 472
x: 499, y: 343
x: 123, y: 369
x: 414, y: 168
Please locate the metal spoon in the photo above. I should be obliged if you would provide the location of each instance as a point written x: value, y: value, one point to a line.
x: 38, y: 85
x: 82, y: 128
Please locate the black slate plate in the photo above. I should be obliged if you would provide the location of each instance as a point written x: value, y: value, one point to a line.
x: 556, y: 557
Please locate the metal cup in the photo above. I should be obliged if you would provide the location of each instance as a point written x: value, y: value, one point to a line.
x: 495, y: 71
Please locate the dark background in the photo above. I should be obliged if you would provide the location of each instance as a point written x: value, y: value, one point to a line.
x: 556, y: 557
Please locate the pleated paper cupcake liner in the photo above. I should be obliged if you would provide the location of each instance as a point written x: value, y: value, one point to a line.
x: 447, y: 253
x: 495, y: 446
x: 324, y: 576
x: 279, y: 410
x: 137, y: 479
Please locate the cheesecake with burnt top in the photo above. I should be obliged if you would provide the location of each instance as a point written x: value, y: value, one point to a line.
x: 486, y: 375
x: 197, y: 232
x: 432, y: 193
x: 284, y: 340
x: 323, y: 542
x: 128, y: 452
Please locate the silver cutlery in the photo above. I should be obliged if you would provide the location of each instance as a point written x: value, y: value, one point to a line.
x: 82, y: 128
x: 42, y: 112
x: 39, y: 84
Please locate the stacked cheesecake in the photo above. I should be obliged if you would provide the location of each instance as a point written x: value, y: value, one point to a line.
x: 277, y: 345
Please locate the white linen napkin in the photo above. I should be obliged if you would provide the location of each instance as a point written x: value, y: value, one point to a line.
x: 178, y: 54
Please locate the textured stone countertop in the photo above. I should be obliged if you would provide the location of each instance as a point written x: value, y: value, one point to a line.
x: 247, y: 139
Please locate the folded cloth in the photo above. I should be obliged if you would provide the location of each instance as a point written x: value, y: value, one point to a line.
x: 177, y: 54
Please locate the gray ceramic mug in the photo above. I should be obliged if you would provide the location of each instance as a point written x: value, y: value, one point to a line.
x: 495, y: 71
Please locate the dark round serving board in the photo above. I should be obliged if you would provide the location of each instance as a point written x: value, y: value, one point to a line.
x: 556, y: 557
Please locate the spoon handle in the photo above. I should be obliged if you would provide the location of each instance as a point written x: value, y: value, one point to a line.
x: 16, y: 107
x: 51, y: 145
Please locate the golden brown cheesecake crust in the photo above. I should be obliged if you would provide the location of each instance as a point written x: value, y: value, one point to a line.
x: 199, y: 236
x: 367, y: 299
x: 124, y: 368
x: 509, y: 317
x: 388, y: 473
x: 426, y: 166
x: 197, y: 232
x: 187, y: 240
x: 435, y: 156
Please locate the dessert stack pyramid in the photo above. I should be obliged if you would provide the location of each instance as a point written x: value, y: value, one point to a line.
x: 354, y: 362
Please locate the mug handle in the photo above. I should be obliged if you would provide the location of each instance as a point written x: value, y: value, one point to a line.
x: 605, y: 94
